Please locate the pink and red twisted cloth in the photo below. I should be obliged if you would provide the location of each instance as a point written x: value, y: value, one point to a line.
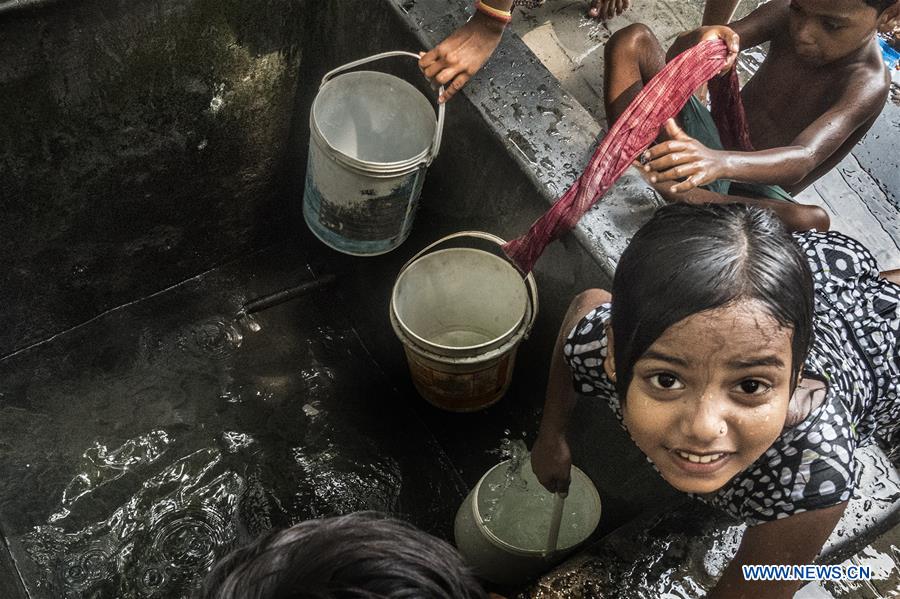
x: 661, y: 99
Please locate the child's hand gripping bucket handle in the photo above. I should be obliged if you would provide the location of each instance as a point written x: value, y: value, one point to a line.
x: 439, y: 129
x: 530, y: 284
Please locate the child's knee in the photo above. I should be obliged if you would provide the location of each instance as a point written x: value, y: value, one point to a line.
x: 586, y: 301
x: 580, y: 306
x: 813, y: 217
x: 629, y: 39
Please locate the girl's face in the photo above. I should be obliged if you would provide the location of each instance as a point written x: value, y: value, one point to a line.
x: 710, y: 395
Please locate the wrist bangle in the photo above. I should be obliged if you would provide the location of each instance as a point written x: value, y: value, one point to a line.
x: 503, y: 16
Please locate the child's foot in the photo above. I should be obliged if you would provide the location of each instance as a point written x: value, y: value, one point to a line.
x: 607, y: 9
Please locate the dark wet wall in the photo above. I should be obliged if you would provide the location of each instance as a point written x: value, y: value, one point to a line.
x: 141, y: 142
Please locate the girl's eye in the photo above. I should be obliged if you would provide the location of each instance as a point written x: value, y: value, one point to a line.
x: 665, y: 380
x: 753, y: 387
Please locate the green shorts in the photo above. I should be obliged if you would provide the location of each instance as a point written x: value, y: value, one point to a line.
x: 697, y: 122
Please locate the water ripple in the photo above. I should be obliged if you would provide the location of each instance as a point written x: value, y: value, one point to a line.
x: 100, y: 465
x: 159, y: 542
x: 216, y: 337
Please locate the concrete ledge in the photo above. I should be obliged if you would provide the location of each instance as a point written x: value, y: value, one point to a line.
x: 549, y: 134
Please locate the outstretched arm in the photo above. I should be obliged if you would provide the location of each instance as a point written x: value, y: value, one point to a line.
x: 796, y: 217
x: 683, y: 157
x: 551, y: 459
x: 456, y: 59
x: 462, y: 54
x: 795, y: 540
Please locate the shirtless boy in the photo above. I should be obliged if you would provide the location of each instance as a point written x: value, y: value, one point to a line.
x: 820, y: 88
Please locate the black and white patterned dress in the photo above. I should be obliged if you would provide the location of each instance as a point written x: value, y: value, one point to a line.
x: 855, y: 350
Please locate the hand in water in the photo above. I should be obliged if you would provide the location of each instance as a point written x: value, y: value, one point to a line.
x: 607, y: 9
x: 683, y: 157
x: 732, y: 41
x: 456, y: 59
x: 551, y: 462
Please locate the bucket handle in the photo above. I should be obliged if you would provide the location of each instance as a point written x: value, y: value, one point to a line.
x: 530, y: 283
x: 442, y: 108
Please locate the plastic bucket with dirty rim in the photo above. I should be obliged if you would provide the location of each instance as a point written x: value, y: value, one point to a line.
x: 461, y: 314
x: 497, y: 552
x: 372, y: 137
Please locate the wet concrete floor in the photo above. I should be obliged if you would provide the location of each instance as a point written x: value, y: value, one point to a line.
x: 882, y: 556
x: 143, y: 444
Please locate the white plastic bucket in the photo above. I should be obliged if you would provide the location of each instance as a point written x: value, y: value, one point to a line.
x: 461, y: 314
x: 372, y: 137
x: 506, y: 560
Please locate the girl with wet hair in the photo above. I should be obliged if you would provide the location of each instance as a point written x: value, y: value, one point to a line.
x: 746, y: 363
x: 358, y: 556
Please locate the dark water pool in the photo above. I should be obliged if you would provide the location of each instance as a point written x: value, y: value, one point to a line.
x: 141, y: 446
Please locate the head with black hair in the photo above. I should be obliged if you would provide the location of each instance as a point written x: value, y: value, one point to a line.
x: 826, y: 31
x: 881, y: 5
x: 358, y: 556
x: 711, y: 322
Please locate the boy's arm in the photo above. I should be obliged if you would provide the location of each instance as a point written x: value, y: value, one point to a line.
x: 795, y: 540
x: 796, y: 217
x: 718, y: 12
x: 760, y: 26
x: 683, y: 157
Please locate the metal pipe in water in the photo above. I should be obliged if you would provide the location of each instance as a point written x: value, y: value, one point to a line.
x: 279, y: 297
x: 559, y: 502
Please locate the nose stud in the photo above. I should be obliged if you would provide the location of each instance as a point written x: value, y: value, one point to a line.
x: 722, y: 430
